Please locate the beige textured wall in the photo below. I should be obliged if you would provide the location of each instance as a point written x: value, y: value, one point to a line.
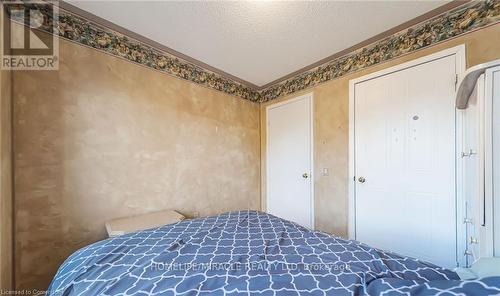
x: 6, y: 207
x: 103, y: 138
x: 331, y: 128
x: 6, y: 201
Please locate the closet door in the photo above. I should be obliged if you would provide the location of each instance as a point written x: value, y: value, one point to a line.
x: 478, y: 236
x: 493, y: 92
x: 404, y: 138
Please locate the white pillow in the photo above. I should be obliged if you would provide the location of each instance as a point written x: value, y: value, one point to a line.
x: 122, y: 226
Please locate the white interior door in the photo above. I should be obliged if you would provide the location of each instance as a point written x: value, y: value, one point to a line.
x: 493, y: 94
x: 480, y: 161
x: 289, y: 161
x: 404, y: 145
x: 473, y: 178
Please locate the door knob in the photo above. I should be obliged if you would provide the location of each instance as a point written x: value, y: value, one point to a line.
x: 305, y: 175
x: 361, y: 180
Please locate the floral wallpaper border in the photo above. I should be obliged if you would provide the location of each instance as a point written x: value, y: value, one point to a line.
x: 451, y: 24
x: 463, y: 19
x: 77, y: 29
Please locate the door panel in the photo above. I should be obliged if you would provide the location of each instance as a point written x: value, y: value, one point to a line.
x: 478, y: 240
x: 493, y: 88
x: 288, y: 159
x: 405, y: 149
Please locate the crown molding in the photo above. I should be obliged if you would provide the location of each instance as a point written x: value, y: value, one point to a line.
x: 448, y: 21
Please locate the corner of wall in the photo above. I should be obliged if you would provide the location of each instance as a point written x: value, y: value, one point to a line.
x: 6, y: 180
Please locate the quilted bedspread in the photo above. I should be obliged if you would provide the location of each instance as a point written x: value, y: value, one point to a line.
x: 250, y: 253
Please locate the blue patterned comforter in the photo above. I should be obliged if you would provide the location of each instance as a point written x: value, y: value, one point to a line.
x: 249, y: 253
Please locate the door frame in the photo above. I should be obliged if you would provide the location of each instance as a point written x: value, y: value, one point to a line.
x: 310, y: 97
x: 491, y: 162
x: 460, y: 65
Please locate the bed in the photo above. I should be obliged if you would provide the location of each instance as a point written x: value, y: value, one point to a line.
x: 249, y: 253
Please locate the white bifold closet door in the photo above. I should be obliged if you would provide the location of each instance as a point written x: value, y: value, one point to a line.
x: 493, y: 91
x: 481, y: 162
x: 472, y: 159
x: 404, y: 139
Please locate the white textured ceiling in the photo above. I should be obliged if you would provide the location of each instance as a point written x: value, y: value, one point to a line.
x: 258, y: 41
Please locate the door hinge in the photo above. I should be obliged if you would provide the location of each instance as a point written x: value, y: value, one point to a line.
x: 456, y: 81
x: 468, y: 153
x: 468, y: 221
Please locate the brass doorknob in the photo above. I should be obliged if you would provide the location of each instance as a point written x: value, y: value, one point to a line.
x: 305, y: 175
x: 361, y: 180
